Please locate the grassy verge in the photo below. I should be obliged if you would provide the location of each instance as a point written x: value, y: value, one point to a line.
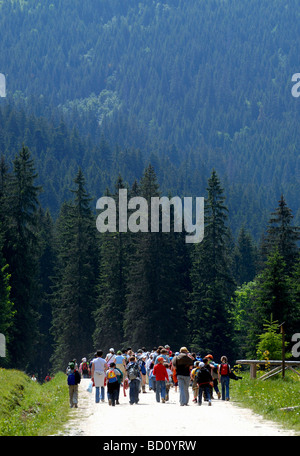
x: 28, y: 408
x: 268, y: 397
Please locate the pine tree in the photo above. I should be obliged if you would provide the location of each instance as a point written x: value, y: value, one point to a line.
x: 245, y: 258
x: 47, y: 260
x: 211, y: 277
x: 75, y: 279
x: 155, y: 295
x: 282, y: 234
x: 21, y: 252
x: 111, y: 290
x: 272, y: 294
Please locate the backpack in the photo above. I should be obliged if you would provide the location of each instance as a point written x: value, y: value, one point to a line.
x: 84, y: 367
x: 71, y: 378
x: 224, y: 369
x: 133, y: 372
x: 111, y: 376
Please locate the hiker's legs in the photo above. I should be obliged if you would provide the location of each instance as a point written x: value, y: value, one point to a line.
x: 102, y: 395
x: 134, y: 387
x: 183, y: 384
x: 73, y: 395
x: 158, y: 390
x: 200, y: 393
x: 163, y: 390
x: 207, y: 394
x: 225, y: 387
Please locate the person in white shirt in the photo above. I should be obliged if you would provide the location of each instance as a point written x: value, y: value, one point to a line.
x: 99, y: 367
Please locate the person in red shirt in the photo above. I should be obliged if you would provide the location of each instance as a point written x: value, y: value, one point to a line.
x: 161, y: 375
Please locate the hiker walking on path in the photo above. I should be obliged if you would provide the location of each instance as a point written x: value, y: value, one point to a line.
x: 121, y: 362
x: 113, y: 385
x: 204, y: 381
x: 110, y: 357
x: 84, y: 368
x: 134, y: 378
x: 73, y: 382
x: 99, y: 367
x: 161, y: 376
x: 224, y: 371
x: 183, y: 363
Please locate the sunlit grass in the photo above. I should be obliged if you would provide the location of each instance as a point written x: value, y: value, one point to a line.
x: 268, y: 397
x: 28, y: 408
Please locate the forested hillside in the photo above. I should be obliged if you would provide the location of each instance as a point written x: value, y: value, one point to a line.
x: 192, y: 95
x: 205, y: 83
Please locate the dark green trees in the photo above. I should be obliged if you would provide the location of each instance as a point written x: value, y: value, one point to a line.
x: 245, y: 258
x: 155, y: 312
x: 212, y: 280
x: 112, y: 283
x: 75, y: 279
x: 21, y: 250
x: 281, y: 234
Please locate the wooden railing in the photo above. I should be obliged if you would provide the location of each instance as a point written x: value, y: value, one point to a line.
x: 255, y: 362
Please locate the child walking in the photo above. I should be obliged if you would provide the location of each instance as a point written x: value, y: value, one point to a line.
x: 161, y: 376
x: 113, y: 384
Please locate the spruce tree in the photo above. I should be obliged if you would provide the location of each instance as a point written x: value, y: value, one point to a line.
x: 245, y: 258
x: 155, y: 297
x: 75, y: 278
x: 273, y: 294
x: 21, y: 251
x: 282, y: 234
x: 211, y: 277
x: 47, y: 261
x: 111, y: 290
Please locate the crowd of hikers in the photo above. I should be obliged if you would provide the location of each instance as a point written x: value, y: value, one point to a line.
x: 159, y: 370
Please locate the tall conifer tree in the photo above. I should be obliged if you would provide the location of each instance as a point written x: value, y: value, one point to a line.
x: 75, y: 281
x: 21, y: 250
x: 155, y: 299
x: 111, y: 290
x: 211, y: 276
x: 282, y: 235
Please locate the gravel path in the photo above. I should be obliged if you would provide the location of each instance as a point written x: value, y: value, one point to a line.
x: 149, y: 418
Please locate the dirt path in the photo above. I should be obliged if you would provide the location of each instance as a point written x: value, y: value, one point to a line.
x: 149, y: 418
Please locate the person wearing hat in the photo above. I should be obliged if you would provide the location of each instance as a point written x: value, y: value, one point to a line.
x: 183, y: 364
x: 110, y: 357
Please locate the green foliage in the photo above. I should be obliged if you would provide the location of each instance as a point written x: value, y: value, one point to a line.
x: 107, y: 87
x: 30, y: 409
x: 189, y: 83
x: 270, y: 342
x: 75, y: 279
x: 211, y: 275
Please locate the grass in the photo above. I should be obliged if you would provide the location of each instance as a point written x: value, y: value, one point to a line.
x: 268, y: 397
x: 28, y: 408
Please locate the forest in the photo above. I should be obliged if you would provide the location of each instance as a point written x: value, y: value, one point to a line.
x: 175, y: 98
